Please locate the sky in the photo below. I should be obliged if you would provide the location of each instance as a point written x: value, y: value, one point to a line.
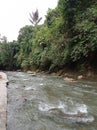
x: 14, y: 14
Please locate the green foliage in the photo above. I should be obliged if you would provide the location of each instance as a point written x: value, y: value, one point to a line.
x: 80, y: 24
x: 25, y: 40
x: 86, y: 38
x: 8, y: 52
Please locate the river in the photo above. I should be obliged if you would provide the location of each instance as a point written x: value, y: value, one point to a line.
x: 45, y: 102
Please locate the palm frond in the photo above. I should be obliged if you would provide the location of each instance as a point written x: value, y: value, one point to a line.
x: 35, y: 17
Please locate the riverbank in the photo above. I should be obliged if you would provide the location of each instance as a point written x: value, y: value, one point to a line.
x: 73, y: 75
x: 3, y: 100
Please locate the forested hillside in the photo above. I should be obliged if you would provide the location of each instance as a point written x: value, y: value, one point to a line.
x: 66, y: 40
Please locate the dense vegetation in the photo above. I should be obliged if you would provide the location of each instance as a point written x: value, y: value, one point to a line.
x: 67, y: 39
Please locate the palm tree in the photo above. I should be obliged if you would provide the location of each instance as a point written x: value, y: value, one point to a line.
x: 35, y: 17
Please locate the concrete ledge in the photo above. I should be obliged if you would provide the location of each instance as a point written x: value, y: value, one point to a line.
x: 3, y: 100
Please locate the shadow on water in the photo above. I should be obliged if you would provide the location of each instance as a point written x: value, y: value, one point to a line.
x: 45, y: 102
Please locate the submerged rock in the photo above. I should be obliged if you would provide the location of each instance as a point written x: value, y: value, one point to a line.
x: 80, y: 77
x: 69, y: 79
x: 28, y: 88
x: 31, y: 73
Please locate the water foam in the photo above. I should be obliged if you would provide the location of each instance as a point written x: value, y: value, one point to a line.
x: 79, y: 113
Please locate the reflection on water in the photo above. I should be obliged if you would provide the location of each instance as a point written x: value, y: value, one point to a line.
x: 45, y: 102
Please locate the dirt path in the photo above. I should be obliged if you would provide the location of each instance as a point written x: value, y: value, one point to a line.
x: 3, y: 100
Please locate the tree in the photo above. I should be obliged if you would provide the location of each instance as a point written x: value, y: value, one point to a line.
x: 3, y: 38
x: 25, y: 39
x: 35, y: 17
x: 8, y: 51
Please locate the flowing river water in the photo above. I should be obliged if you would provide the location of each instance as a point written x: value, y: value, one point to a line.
x: 45, y: 102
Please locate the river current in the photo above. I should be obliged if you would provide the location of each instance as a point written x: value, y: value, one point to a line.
x: 45, y: 102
